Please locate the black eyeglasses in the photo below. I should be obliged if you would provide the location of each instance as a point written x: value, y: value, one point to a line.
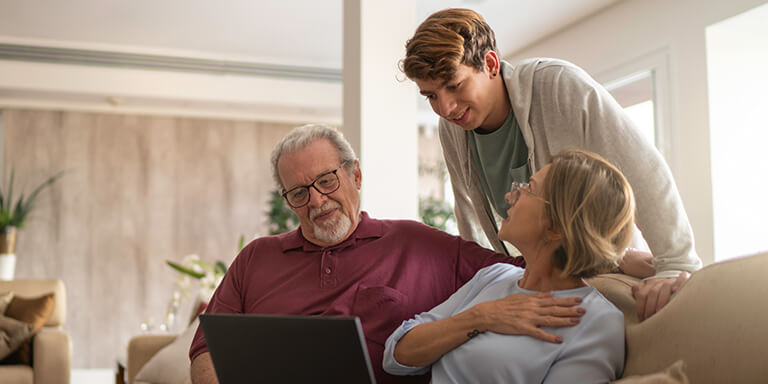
x: 326, y: 183
x: 514, y: 192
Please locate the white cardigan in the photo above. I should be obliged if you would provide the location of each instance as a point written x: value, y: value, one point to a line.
x: 559, y: 106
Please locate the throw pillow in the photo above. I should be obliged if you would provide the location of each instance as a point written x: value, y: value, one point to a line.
x: 171, y: 364
x: 672, y: 375
x: 5, y: 299
x: 12, y: 334
x: 35, y: 311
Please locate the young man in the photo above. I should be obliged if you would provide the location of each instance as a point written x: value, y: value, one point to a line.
x: 501, y: 124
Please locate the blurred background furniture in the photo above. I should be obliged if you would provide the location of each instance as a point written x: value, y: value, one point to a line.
x: 52, y: 347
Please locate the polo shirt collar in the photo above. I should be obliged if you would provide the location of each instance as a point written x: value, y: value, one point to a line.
x: 366, y: 228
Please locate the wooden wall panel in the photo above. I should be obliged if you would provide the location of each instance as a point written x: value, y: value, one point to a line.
x: 138, y: 190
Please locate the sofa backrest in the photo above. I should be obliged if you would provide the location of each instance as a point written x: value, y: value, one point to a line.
x: 33, y: 288
x: 717, y: 324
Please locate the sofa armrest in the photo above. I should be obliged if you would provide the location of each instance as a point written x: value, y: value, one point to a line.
x: 52, y: 356
x: 140, y: 351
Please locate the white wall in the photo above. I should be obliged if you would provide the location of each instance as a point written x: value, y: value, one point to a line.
x: 675, y: 29
x: 737, y: 59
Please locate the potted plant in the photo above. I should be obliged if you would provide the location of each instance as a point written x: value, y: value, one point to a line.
x: 13, y: 216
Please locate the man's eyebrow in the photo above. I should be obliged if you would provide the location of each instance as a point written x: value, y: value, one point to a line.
x: 428, y: 92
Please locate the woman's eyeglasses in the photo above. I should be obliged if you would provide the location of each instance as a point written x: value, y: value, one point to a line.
x: 514, y: 192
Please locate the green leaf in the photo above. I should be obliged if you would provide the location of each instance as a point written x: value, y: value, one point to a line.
x: 184, y: 270
x: 220, y: 268
x: 14, y: 213
x: 241, y: 243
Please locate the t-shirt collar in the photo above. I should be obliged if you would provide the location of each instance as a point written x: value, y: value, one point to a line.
x: 366, y: 228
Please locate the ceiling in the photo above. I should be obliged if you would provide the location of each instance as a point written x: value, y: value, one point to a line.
x: 282, y: 32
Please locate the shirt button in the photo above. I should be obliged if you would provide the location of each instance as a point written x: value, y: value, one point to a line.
x: 328, y: 270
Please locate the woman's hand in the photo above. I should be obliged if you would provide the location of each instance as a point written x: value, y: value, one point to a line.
x: 525, y: 314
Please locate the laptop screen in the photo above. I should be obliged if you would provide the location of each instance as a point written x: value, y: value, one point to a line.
x: 287, y: 349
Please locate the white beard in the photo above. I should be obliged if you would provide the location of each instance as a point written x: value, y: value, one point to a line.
x: 331, y: 231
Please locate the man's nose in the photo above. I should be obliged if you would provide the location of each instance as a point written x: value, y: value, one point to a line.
x: 446, y: 105
x: 316, y: 199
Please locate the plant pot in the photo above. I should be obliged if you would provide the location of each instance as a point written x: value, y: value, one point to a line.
x: 7, y: 253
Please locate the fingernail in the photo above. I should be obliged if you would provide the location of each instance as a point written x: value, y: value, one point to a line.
x: 558, y: 340
x: 578, y: 299
x: 575, y: 320
x: 581, y: 311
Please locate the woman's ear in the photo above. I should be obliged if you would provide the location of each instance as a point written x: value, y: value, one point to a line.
x: 552, y: 235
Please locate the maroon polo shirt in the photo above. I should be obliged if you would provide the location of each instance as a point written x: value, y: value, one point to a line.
x: 385, y: 272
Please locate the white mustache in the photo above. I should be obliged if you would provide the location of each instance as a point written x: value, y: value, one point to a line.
x: 329, y: 205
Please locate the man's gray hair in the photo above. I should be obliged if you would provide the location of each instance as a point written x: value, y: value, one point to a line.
x: 300, y: 137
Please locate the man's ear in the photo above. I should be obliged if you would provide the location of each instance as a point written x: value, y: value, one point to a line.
x: 358, y: 176
x: 492, y: 63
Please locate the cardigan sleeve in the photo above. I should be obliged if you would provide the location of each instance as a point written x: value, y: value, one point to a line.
x: 576, y: 112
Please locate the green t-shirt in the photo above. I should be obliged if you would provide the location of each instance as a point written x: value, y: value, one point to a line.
x: 502, y: 157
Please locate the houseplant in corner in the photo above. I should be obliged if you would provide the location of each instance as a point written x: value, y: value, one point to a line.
x: 13, y: 216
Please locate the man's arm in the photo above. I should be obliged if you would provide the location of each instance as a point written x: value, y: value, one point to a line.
x: 202, y: 370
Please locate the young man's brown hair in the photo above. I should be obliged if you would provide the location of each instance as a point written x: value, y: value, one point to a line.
x: 445, y: 40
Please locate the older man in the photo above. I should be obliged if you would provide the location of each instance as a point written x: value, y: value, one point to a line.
x: 342, y: 262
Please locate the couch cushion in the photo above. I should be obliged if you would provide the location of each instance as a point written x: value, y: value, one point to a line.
x: 34, y: 311
x: 34, y: 288
x: 674, y: 374
x: 716, y: 323
x: 5, y: 299
x: 12, y: 334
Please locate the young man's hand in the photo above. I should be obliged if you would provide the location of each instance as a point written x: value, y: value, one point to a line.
x: 653, y: 294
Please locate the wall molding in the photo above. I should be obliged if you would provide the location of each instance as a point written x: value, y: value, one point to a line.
x: 18, y: 52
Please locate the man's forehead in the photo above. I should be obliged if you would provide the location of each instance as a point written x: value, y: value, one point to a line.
x: 303, y: 166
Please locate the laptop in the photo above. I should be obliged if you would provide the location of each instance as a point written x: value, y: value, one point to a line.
x: 287, y: 349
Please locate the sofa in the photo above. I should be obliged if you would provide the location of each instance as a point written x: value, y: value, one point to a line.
x: 51, y: 346
x: 714, y: 330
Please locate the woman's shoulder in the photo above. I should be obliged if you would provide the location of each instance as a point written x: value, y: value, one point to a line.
x: 500, y: 271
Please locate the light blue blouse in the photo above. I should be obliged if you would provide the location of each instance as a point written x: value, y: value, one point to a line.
x: 591, y: 352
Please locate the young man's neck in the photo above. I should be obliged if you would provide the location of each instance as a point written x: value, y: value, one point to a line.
x: 501, y: 107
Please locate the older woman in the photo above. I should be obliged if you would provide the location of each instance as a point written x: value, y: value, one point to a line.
x: 570, y: 222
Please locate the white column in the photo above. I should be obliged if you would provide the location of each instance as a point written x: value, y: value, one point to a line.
x: 379, y: 105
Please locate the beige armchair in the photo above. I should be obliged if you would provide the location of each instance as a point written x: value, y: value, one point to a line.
x: 52, y: 347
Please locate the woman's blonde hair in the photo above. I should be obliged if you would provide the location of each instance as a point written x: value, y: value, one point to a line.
x: 444, y: 40
x: 593, y: 207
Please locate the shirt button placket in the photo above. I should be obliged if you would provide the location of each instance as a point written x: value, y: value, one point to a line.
x: 328, y: 270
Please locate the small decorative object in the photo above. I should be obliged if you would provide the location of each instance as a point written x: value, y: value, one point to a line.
x: 13, y: 216
x: 279, y: 217
x: 192, y: 267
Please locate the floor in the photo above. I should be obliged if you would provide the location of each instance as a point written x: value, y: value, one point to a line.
x: 92, y: 376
